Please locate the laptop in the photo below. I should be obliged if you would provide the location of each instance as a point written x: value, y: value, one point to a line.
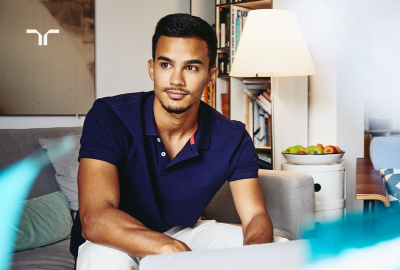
x: 285, y: 255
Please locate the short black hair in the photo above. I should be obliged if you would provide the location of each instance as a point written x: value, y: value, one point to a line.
x: 185, y: 25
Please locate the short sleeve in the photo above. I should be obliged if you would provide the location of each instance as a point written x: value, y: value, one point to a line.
x: 247, y: 160
x: 103, y: 135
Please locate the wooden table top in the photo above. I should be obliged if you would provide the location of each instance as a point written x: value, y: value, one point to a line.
x: 369, y: 185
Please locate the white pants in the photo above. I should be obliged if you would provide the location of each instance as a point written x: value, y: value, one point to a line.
x: 205, y: 235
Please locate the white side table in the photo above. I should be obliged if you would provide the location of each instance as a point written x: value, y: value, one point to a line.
x: 329, y: 186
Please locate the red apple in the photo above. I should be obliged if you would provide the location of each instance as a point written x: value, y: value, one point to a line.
x: 320, y: 146
x: 338, y: 149
x: 330, y: 150
x: 302, y: 153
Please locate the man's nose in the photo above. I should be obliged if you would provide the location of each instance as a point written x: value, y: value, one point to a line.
x: 177, y: 78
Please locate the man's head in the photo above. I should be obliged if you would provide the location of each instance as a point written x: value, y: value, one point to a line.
x: 186, y: 26
x: 184, y: 52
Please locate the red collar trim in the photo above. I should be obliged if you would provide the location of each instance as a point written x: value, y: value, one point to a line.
x: 192, y: 138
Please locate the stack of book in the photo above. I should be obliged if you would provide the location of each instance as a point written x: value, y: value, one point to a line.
x: 264, y: 160
x: 258, y: 110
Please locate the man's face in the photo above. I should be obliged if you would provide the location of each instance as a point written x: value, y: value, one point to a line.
x: 180, y: 72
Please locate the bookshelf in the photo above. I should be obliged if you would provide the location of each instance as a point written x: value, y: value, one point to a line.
x: 233, y: 87
x: 289, y: 104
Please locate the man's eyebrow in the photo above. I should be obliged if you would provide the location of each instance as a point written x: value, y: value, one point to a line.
x: 163, y: 58
x: 194, y: 61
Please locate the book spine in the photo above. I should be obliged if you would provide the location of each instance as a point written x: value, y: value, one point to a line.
x: 262, y: 126
x: 223, y: 35
x: 265, y: 101
x: 257, y: 86
x: 237, y: 33
x: 251, y: 120
x: 256, y: 81
x: 217, y: 30
x: 232, y: 33
x: 259, y: 103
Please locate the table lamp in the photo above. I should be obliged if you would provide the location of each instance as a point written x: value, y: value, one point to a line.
x: 272, y: 45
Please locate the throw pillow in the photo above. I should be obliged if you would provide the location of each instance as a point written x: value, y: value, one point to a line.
x: 392, y: 180
x: 45, y: 220
x: 66, y: 167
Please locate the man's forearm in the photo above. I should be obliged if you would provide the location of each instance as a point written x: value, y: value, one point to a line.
x: 258, y: 231
x: 117, y: 229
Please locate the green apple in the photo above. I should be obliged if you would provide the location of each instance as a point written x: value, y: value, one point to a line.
x: 292, y: 150
x: 312, y: 146
x: 300, y: 147
x: 316, y: 151
x: 308, y: 151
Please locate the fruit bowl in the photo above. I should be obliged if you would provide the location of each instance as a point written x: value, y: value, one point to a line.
x: 322, y: 159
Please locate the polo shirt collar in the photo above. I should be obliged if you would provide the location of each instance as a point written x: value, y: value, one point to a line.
x: 202, y: 135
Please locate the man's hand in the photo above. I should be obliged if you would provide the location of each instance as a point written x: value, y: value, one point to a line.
x: 103, y: 223
x: 176, y: 246
x: 249, y: 202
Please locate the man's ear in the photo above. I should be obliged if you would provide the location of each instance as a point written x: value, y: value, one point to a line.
x: 150, y: 65
x: 213, y: 74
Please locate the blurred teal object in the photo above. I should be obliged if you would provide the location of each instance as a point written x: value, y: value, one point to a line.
x: 353, y: 236
x: 15, y: 184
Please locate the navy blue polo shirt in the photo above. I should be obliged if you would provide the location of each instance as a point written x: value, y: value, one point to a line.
x: 159, y: 192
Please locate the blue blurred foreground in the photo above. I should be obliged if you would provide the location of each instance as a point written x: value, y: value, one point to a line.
x: 15, y: 184
x: 357, y: 242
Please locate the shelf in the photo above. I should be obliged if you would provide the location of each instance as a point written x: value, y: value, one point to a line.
x: 223, y: 49
x: 223, y: 5
x: 381, y: 131
x: 263, y: 147
x: 223, y: 76
x: 256, y: 4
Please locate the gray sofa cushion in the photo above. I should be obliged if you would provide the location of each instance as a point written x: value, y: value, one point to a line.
x: 66, y: 167
x: 52, y: 257
x: 15, y: 144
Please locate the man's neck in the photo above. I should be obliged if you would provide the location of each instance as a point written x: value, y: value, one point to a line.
x: 175, y: 126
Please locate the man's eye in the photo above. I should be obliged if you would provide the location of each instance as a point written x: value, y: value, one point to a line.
x: 165, y: 65
x: 192, y: 68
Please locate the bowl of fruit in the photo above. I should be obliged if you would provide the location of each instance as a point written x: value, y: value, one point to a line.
x: 313, y: 155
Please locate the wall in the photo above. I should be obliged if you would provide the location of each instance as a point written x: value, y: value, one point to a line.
x: 204, y: 9
x: 354, y: 45
x: 123, y: 46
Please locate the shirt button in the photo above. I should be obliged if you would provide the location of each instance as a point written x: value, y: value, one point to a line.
x: 158, y: 140
x: 163, y: 154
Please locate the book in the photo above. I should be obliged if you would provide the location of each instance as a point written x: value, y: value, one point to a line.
x: 237, y: 33
x: 264, y: 160
x: 237, y: 12
x: 256, y: 81
x: 257, y: 100
x: 256, y: 129
x: 251, y: 120
x: 223, y: 35
x: 265, y: 101
x: 246, y: 113
x: 264, y: 86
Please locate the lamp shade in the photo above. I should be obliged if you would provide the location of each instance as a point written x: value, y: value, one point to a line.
x: 272, y: 44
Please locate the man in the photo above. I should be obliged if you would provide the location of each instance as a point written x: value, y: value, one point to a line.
x: 151, y: 162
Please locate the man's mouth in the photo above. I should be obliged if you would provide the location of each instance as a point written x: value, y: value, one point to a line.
x: 173, y: 94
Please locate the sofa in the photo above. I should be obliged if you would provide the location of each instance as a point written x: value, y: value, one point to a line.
x: 289, y: 197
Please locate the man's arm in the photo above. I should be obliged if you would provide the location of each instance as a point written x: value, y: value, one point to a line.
x: 250, y: 205
x: 103, y: 223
